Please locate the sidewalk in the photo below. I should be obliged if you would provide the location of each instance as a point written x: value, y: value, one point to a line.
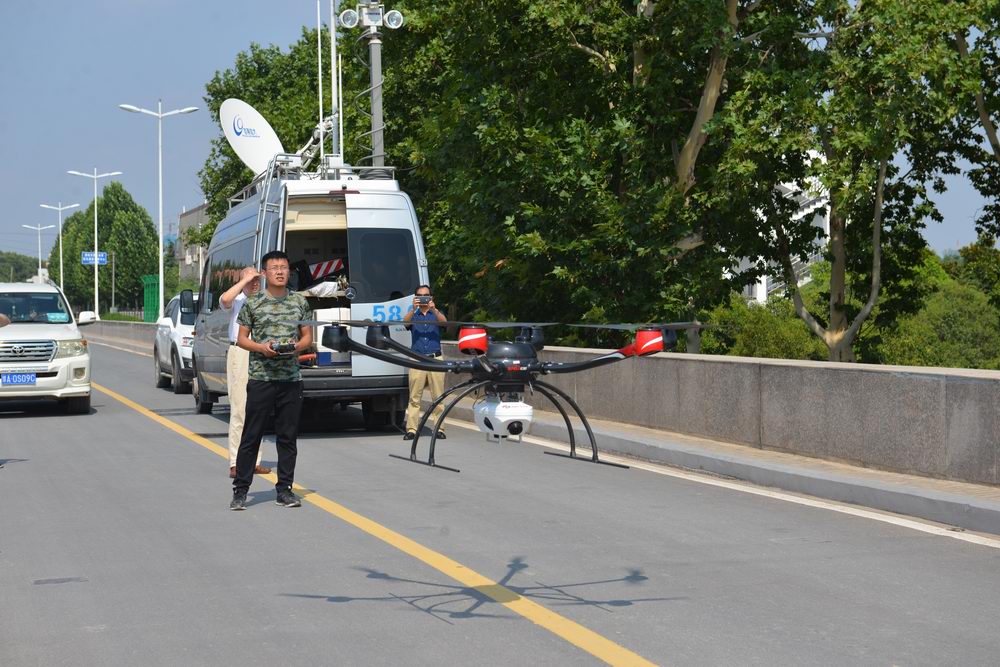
x: 970, y: 506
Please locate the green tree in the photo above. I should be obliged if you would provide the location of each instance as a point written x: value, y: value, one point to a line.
x: 958, y: 328
x: 573, y: 146
x: 858, y: 109
x: 125, y: 229
x: 769, y: 330
x: 979, y: 50
x: 978, y: 265
x: 596, y: 200
x: 15, y: 267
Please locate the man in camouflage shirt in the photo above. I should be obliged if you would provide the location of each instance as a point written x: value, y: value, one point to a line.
x: 275, y: 381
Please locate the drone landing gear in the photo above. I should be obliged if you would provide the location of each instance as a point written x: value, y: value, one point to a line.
x: 468, y: 387
x: 547, y: 390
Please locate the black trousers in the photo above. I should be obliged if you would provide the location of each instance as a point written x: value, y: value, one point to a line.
x: 285, y: 400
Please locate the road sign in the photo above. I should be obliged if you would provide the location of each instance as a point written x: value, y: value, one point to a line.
x: 87, y: 258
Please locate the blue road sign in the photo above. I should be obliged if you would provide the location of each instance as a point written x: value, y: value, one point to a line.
x: 87, y: 258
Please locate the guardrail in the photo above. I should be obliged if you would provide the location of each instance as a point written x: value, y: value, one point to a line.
x: 134, y: 332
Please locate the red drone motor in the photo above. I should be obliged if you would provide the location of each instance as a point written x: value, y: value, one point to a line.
x: 472, y: 340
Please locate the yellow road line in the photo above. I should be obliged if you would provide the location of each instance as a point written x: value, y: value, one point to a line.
x: 581, y: 637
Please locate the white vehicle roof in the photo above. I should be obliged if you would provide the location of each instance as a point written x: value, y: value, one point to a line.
x: 307, y: 187
x: 27, y: 287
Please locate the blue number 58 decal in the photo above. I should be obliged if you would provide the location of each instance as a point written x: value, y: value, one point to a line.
x: 381, y: 314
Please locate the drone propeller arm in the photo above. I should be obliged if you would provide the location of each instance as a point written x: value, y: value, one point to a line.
x: 402, y: 349
x: 603, y: 360
x: 420, y: 364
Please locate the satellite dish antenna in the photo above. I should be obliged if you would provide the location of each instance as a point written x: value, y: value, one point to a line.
x: 250, y: 135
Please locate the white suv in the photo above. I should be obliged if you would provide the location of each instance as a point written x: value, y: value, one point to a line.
x: 172, y: 348
x: 42, y: 354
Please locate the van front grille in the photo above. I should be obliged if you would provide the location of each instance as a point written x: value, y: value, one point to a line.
x: 27, y: 350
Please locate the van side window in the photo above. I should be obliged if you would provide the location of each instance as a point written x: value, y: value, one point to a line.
x: 224, y: 268
x: 204, y: 303
x: 383, y: 263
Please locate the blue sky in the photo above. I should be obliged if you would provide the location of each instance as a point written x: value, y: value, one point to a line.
x: 65, y: 66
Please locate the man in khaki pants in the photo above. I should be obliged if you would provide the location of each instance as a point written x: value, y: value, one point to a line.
x: 426, y: 340
x: 238, y: 364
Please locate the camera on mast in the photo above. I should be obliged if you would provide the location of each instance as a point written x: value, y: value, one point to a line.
x: 371, y: 15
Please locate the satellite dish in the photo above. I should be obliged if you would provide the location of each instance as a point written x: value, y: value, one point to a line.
x: 250, y: 135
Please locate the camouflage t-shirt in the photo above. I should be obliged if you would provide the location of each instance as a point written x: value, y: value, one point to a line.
x: 268, y: 319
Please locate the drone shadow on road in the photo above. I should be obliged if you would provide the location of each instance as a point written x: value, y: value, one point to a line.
x: 451, y: 601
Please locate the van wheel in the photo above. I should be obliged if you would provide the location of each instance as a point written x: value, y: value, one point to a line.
x: 202, y: 399
x: 78, y: 405
x: 180, y: 386
x: 161, y: 381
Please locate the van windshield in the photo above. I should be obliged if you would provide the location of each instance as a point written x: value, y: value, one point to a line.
x: 383, y: 263
x: 39, y: 307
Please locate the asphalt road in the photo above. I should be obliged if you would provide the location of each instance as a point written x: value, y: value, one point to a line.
x: 117, y: 547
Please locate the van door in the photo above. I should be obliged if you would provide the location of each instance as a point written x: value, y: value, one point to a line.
x: 385, y: 266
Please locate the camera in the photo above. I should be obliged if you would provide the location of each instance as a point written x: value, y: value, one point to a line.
x: 424, y: 300
x: 283, y: 348
x: 500, y: 419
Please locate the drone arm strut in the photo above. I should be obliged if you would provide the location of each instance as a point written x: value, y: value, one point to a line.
x: 603, y: 360
x: 416, y: 363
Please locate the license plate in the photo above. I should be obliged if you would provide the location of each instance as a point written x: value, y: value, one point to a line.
x: 11, y: 379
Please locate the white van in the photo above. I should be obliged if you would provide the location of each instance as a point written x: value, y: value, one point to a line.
x: 42, y: 354
x: 353, y: 239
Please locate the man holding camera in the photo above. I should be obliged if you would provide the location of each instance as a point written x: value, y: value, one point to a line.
x: 426, y: 340
x: 275, y: 381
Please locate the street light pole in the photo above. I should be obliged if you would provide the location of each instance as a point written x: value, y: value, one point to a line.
x: 60, y: 208
x: 96, y: 177
x: 39, y: 230
x: 159, y: 115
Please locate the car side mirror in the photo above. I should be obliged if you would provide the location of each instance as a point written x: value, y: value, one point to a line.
x: 187, y: 301
x: 86, y: 317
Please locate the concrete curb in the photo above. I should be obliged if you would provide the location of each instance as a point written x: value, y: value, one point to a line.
x: 969, y: 506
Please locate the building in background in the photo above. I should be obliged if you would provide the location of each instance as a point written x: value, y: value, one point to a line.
x: 814, y: 206
x: 190, y: 257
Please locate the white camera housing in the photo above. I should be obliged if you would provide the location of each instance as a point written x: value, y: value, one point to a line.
x: 500, y: 419
x: 349, y: 18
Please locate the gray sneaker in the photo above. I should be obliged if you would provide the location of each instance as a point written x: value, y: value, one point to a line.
x: 239, y: 501
x: 287, y: 499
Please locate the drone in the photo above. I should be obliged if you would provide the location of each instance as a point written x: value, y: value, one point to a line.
x: 504, y: 370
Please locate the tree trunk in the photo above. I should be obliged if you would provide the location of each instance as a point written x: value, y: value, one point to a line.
x: 984, y: 115
x: 640, y: 52
x: 838, y: 279
x: 706, y: 107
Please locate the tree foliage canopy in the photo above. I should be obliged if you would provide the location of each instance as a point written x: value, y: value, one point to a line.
x: 15, y: 267
x: 125, y: 229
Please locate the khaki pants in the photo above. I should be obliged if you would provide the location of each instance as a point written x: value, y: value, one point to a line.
x: 419, y: 380
x: 237, y: 372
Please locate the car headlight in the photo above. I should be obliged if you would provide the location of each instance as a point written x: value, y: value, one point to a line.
x: 187, y: 341
x: 71, y: 348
